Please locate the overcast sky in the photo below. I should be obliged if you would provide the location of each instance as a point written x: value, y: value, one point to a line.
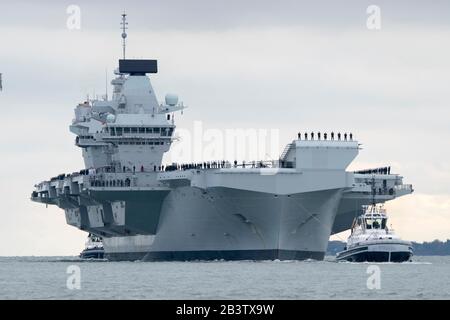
x: 285, y: 65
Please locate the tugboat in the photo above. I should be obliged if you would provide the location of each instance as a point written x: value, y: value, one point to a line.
x: 372, y: 241
x: 94, y: 248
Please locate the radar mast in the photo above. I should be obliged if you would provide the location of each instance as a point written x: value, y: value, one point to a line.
x: 124, y: 25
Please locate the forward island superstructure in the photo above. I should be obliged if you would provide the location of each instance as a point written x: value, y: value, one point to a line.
x: 142, y: 209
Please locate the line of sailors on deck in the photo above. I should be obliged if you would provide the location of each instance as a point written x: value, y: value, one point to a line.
x: 200, y: 165
x: 59, y: 177
x: 172, y: 167
x: 111, y: 183
x: 214, y: 165
x: 383, y: 170
x: 175, y: 166
x: 205, y: 165
x: 187, y: 166
x: 325, y: 136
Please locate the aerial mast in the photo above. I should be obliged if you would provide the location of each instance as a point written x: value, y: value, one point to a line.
x: 124, y: 24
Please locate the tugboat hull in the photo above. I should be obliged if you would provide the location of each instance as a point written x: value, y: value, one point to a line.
x: 392, y: 252
x: 92, y: 253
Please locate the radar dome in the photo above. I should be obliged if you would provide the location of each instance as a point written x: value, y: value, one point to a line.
x: 110, y: 118
x: 171, y: 99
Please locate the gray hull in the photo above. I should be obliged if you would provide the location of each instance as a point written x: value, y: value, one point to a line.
x: 233, y: 224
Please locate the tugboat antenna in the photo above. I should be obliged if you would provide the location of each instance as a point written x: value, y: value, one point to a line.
x: 374, y: 190
x: 124, y: 24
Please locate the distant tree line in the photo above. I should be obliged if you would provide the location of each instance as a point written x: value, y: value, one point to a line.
x: 433, y: 248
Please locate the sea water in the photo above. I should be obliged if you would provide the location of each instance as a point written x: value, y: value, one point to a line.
x: 72, y: 278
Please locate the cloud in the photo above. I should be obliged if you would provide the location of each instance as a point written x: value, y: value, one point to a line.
x: 421, y: 217
x: 198, y: 15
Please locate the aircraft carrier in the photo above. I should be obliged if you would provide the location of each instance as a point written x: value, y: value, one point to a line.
x: 145, y: 210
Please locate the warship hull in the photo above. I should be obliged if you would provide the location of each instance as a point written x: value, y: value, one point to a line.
x: 233, y: 224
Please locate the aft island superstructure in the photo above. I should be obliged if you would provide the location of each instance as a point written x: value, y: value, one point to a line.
x: 142, y: 209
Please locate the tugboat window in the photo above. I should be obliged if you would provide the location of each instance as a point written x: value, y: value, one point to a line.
x: 376, y: 225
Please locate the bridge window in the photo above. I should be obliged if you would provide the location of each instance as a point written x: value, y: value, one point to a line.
x: 113, y: 131
x: 119, y: 131
x: 156, y: 130
x: 126, y: 130
x: 376, y: 223
x: 163, y: 132
x: 133, y: 130
x: 170, y: 131
x: 149, y: 130
x: 141, y: 130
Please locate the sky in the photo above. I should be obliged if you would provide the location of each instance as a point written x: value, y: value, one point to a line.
x: 285, y: 66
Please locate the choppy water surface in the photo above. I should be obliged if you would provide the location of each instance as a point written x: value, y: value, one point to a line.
x: 46, y: 278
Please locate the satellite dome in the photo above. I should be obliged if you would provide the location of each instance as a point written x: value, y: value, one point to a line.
x: 110, y: 118
x: 171, y: 99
